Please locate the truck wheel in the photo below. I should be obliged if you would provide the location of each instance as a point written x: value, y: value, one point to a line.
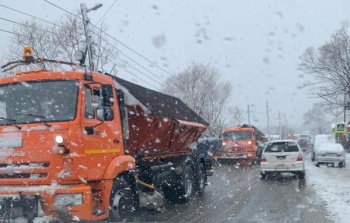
x: 122, y: 201
x: 201, y: 181
x: 187, y: 184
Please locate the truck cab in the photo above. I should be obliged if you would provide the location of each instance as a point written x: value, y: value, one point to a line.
x: 239, y: 144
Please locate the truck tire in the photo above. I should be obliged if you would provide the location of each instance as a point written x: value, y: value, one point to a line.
x: 186, y: 184
x: 122, y: 200
x: 201, y: 180
x: 181, y: 188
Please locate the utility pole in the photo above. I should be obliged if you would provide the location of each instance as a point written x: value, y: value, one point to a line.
x: 279, y: 123
x: 249, y: 113
x: 86, y: 23
x: 285, y: 126
x: 268, y: 119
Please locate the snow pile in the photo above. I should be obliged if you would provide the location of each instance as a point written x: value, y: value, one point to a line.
x: 331, y: 184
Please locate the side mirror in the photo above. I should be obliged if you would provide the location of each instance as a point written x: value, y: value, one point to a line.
x: 105, y: 114
x: 108, y: 114
x: 107, y: 95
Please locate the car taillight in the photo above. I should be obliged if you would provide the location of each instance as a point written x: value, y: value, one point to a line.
x: 299, y: 158
x: 263, y: 158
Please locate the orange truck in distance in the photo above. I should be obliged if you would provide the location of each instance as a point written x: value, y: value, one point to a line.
x: 84, y: 145
x: 240, y: 144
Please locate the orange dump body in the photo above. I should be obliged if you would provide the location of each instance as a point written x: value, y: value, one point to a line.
x: 160, y: 137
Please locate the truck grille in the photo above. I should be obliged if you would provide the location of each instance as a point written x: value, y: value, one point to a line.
x: 24, y: 170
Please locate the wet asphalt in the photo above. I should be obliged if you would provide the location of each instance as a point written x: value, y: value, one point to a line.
x: 237, y: 194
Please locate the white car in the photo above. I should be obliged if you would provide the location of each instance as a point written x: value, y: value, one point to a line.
x: 282, y: 156
x: 330, y: 153
x: 319, y: 139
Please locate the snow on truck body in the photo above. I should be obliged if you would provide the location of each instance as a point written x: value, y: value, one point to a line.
x: 85, y: 145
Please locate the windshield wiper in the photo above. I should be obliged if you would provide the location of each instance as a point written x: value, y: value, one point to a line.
x: 12, y: 121
x: 31, y: 115
x: 35, y: 116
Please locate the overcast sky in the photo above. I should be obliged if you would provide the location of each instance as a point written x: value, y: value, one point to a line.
x: 254, y: 44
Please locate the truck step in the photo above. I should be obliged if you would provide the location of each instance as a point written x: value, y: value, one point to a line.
x: 98, y: 212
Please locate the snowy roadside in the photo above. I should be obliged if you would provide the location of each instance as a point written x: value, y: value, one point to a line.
x: 332, y: 185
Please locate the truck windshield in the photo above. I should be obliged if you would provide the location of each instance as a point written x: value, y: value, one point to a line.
x: 237, y: 135
x: 38, y: 101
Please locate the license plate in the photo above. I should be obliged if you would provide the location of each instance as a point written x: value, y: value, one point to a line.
x: 281, y: 166
x: 281, y: 157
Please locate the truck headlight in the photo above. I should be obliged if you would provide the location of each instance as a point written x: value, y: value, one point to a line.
x: 63, y: 200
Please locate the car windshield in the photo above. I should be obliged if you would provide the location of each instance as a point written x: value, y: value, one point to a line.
x: 277, y: 147
x: 38, y: 101
x: 237, y: 135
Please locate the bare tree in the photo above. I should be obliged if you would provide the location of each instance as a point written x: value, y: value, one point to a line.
x: 60, y: 41
x: 329, y: 69
x: 234, y: 116
x: 317, y: 119
x: 199, y: 88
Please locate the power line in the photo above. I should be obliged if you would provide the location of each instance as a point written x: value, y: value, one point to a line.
x: 138, y: 77
x: 143, y: 57
x: 27, y: 25
x: 106, y: 12
x: 121, y: 67
x: 43, y: 20
x: 121, y: 52
x: 6, y: 31
x: 129, y: 48
x: 116, y: 47
x: 95, y: 27
x: 60, y: 8
x: 8, y: 20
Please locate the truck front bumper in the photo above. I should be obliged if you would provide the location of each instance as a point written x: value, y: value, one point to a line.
x: 55, y: 200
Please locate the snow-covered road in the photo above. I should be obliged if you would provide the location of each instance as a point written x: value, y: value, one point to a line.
x: 332, y: 185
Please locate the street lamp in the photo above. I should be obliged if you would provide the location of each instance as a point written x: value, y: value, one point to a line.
x: 249, y: 113
x: 86, y: 22
x: 95, y: 7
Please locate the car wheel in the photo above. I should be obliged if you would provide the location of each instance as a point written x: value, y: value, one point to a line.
x: 317, y: 165
x: 263, y: 175
x: 341, y: 164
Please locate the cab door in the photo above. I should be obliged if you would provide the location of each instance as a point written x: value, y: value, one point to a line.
x: 102, y: 135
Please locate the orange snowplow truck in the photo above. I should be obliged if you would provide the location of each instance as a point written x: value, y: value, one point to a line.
x: 84, y: 145
x: 240, y: 144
